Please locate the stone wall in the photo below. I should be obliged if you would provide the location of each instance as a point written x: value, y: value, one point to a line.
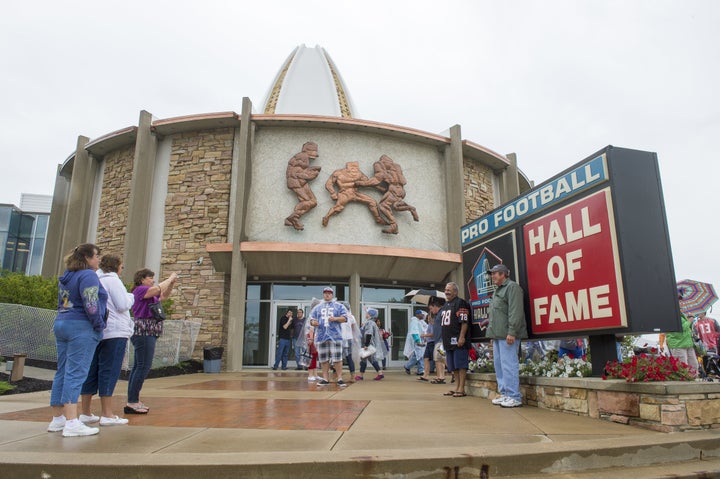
x: 196, y: 214
x: 478, y: 190
x: 660, y: 406
x: 115, y: 200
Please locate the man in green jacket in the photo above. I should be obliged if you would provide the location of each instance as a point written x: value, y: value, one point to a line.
x: 506, y: 328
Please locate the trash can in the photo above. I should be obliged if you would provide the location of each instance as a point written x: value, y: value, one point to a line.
x: 212, y: 357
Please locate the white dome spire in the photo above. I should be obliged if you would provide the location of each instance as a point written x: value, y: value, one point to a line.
x: 309, y: 83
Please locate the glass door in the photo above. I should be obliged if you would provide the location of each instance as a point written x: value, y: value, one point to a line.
x: 399, y: 322
x: 276, y: 323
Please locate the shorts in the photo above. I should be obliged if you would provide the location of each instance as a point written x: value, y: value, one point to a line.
x: 329, y: 351
x: 457, y: 359
x: 429, y: 351
x: 439, y: 358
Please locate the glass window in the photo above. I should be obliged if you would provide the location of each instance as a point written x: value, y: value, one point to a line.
x: 297, y: 292
x: 257, y: 333
x: 383, y: 295
x: 253, y: 291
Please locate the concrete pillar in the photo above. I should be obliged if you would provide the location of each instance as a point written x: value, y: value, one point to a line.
x: 455, y: 197
x: 355, y: 292
x: 512, y: 178
x: 240, y: 189
x: 136, y: 234
x: 78, y: 206
x: 53, y: 257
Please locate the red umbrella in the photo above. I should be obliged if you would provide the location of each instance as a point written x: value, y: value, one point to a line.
x: 696, y: 296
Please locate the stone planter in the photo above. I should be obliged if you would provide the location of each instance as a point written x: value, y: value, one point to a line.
x: 661, y: 406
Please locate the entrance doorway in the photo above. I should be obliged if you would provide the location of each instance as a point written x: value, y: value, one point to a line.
x: 276, y: 322
x: 394, y: 318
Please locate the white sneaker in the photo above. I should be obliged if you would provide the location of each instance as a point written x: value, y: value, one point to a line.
x: 499, y: 400
x: 113, y: 421
x: 88, y: 419
x: 79, y: 429
x: 510, y: 402
x: 312, y: 378
x: 318, y: 378
x: 57, y: 424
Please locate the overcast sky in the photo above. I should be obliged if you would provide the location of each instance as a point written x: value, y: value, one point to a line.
x: 553, y: 81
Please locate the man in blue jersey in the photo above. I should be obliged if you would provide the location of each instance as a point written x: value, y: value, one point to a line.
x: 328, y: 317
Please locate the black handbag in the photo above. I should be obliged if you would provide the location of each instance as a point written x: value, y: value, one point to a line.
x: 157, y: 311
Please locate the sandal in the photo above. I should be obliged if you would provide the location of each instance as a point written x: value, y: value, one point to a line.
x: 437, y: 381
x: 421, y: 379
x: 458, y: 394
x: 136, y: 410
x: 449, y: 393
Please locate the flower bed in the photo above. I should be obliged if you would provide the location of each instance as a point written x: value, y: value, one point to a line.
x: 666, y: 406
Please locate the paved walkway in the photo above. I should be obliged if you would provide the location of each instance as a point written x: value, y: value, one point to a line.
x: 263, y: 423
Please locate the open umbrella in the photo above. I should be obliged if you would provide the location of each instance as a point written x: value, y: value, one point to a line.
x: 697, y: 297
x: 423, y: 295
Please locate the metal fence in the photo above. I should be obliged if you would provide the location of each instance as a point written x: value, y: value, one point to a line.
x: 28, y: 330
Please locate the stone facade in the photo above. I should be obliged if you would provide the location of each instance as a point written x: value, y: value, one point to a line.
x: 196, y: 214
x: 115, y: 200
x: 662, y: 406
x: 478, y: 190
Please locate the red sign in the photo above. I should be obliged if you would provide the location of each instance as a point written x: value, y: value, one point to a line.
x: 573, y: 268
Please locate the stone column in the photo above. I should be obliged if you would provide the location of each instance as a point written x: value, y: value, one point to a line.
x: 135, y: 249
x: 455, y: 197
x: 240, y: 188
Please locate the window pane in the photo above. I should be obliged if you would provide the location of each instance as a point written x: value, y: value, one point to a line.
x: 383, y: 295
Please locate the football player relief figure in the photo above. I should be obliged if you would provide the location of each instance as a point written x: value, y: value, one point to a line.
x: 346, y: 181
x: 298, y: 174
x: 389, y: 179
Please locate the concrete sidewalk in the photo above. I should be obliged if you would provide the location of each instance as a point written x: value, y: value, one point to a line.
x: 275, y: 424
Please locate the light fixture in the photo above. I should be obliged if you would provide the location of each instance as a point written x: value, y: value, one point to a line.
x: 255, y: 278
x: 394, y: 282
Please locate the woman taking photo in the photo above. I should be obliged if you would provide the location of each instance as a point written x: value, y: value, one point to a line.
x: 109, y: 354
x: 147, y: 330
x: 78, y: 328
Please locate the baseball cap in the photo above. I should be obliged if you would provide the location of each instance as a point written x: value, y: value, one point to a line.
x: 499, y: 268
x: 328, y: 289
x: 372, y: 312
x: 419, y: 311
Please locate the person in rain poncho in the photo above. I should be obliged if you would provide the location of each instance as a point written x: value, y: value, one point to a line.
x: 371, y: 338
x: 414, y: 345
x: 351, y: 340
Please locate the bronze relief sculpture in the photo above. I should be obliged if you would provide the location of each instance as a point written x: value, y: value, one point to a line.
x: 347, y: 181
x: 298, y: 174
x: 343, y: 187
x: 388, y: 178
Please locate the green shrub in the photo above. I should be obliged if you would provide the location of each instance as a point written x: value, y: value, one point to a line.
x: 5, y: 387
x: 36, y: 291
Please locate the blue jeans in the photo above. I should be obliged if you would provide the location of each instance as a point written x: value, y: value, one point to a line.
x: 76, y: 341
x: 373, y: 361
x: 507, y: 368
x: 296, y: 348
x: 144, y: 352
x: 105, y: 368
x: 283, y: 349
x: 414, y: 359
x: 347, y: 354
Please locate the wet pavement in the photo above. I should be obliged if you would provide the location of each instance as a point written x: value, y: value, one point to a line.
x: 261, y: 423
